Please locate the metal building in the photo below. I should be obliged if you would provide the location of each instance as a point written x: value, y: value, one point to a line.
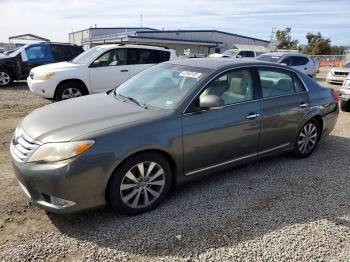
x: 196, y: 42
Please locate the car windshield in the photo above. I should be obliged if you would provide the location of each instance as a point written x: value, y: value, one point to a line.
x: 230, y: 53
x: 268, y: 58
x: 87, y: 56
x: 162, y: 86
x: 347, y: 65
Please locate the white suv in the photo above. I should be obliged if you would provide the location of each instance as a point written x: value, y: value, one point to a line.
x: 98, y: 69
x: 301, y: 62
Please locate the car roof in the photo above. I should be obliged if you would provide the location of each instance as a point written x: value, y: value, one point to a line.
x: 110, y: 46
x: 280, y: 54
x: 221, y: 62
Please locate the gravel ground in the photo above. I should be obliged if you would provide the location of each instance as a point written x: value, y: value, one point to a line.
x: 278, y: 209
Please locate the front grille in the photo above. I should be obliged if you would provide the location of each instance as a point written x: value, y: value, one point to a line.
x: 337, y: 73
x: 31, y: 75
x: 22, y: 146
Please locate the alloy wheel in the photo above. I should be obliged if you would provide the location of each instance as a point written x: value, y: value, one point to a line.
x: 71, y: 93
x: 142, y: 184
x: 4, y: 78
x: 307, y: 138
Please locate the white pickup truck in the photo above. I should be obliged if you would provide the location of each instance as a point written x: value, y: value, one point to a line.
x: 344, y: 93
x: 98, y: 69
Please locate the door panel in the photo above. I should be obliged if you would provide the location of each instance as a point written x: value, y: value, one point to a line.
x: 218, y: 135
x: 109, y: 70
x: 283, y: 107
x: 280, y: 119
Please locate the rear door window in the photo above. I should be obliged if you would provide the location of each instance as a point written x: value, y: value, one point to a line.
x: 299, y: 61
x: 147, y: 56
x: 287, y: 61
x: 275, y: 83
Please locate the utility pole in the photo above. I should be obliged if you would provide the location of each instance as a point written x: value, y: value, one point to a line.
x: 141, y: 21
x: 273, y: 40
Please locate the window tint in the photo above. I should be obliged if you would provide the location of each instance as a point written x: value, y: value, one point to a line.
x: 233, y: 87
x: 275, y: 83
x: 298, y: 86
x: 115, y: 57
x: 38, y: 52
x: 147, y: 56
x: 61, y: 52
x: 299, y: 60
x: 287, y: 61
x: 247, y: 54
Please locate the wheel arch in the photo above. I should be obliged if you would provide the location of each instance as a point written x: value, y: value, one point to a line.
x: 161, y: 152
x: 13, y: 74
x: 74, y: 80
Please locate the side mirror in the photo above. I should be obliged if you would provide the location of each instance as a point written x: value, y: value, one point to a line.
x: 238, y: 56
x: 210, y: 101
x: 283, y: 64
x: 96, y: 63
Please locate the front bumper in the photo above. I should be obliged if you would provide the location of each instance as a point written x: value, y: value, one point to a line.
x: 44, y: 88
x: 335, y: 79
x: 344, y: 94
x: 82, y: 183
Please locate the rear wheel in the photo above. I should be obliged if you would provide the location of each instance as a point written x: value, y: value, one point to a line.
x: 345, y: 106
x: 69, y: 90
x: 6, y: 77
x: 307, y: 139
x: 140, y: 184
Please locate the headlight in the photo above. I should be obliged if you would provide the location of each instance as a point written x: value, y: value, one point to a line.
x: 52, y: 152
x: 43, y: 76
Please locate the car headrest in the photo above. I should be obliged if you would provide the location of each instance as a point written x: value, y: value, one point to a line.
x: 236, y: 85
x: 284, y: 85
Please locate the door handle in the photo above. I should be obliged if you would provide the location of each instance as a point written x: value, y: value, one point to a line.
x: 303, y: 105
x: 252, y: 116
x: 124, y: 70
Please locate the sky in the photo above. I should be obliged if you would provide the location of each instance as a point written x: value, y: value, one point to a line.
x: 54, y: 19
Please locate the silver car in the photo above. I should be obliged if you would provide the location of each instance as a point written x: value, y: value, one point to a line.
x: 299, y: 61
x: 167, y: 125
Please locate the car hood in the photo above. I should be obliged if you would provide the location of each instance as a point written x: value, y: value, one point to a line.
x: 55, y: 67
x: 340, y: 69
x: 71, y: 118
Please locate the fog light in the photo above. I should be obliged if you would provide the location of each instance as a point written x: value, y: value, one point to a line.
x: 59, y: 202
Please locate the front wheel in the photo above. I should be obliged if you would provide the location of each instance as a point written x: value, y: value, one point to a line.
x: 307, y: 139
x: 69, y: 90
x: 140, y: 184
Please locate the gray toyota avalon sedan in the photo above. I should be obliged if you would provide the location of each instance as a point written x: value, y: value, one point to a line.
x: 167, y: 125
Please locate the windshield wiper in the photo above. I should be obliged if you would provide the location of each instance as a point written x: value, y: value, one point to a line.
x: 133, y: 100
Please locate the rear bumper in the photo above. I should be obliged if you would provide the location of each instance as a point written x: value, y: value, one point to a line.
x: 329, y: 121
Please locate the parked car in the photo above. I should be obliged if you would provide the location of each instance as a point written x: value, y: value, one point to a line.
x: 97, y: 70
x: 337, y: 75
x: 17, y: 64
x: 344, y: 92
x: 303, y: 63
x: 165, y: 126
x: 237, y: 53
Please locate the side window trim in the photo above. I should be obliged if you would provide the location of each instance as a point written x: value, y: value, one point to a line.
x: 292, y: 74
x: 253, y: 73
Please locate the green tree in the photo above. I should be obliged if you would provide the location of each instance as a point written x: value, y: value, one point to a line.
x: 285, y: 41
x: 337, y: 50
x: 317, y: 44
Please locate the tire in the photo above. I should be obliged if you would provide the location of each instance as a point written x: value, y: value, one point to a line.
x: 345, y: 106
x: 69, y: 90
x: 6, y: 78
x: 126, y: 195
x: 307, y: 139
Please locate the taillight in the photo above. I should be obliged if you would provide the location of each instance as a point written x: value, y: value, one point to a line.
x: 335, y: 95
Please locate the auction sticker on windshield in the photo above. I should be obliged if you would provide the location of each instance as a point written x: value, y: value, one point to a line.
x: 190, y: 74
